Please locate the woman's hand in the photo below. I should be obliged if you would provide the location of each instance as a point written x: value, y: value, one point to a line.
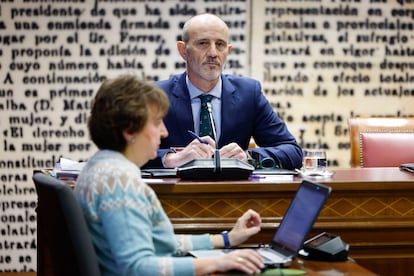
x: 245, y: 260
x: 246, y: 226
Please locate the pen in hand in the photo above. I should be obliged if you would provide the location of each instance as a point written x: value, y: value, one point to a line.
x: 195, y: 136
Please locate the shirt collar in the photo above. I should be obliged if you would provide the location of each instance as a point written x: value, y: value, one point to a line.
x: 195, y: 92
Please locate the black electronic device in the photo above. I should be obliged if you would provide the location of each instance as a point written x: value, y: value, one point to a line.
x: 215, y: 168
x: 325, y: 247
x: 205, y: 169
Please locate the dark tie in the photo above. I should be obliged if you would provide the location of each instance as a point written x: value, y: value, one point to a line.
x: 205, y: 121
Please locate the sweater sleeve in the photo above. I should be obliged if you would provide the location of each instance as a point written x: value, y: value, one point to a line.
x: 186, y: 243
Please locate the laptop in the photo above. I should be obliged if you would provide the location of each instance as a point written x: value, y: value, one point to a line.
x: 293, y: 229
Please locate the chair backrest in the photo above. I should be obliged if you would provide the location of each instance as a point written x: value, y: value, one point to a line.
x: 64, y: 243
x: 381, y: 141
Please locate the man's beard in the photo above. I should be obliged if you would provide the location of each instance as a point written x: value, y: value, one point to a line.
x: 210, y: 74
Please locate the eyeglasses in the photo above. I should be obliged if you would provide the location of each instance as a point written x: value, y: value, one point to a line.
x: 265, y: 163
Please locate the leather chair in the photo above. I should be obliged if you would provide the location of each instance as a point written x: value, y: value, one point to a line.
x: 64, y: 246
x: 381, y: 141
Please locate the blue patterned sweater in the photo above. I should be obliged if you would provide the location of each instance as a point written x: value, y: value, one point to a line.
x: 131, y: 233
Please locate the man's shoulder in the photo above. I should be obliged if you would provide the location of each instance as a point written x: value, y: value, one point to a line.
x: 237, y: 78
x: 171, y: 80
x: 168, y: 85
x: 240, y: 82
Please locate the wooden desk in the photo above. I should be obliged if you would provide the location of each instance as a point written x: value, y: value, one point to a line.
x: 331, y: 268
x: 323, y: 268
x: 311, y: 268
x: 372, y: 209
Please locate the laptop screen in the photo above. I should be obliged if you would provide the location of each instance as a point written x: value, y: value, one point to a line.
x: 301, y: 215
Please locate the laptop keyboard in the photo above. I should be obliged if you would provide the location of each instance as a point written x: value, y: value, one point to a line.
x: 271, y: 256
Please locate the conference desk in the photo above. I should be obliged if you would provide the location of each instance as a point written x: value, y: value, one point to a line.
x: 372, y: 209
x: 315, y: 268
x: 310, y: 267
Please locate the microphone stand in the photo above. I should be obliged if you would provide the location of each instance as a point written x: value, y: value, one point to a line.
x: 217, y: 161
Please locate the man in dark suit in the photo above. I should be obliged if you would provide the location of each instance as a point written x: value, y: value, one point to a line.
x: 239, y: 108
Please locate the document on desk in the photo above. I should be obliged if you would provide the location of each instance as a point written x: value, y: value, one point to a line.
x: 272, y: 175
x: 271, y: 178
x: 275, y: 171
x: 159, y: 181
x: 66, y: 169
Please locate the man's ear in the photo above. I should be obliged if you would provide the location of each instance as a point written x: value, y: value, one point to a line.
x: 181, y: 49
x: 229, y: 48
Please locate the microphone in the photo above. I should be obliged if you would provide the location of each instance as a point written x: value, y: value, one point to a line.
x: 217, y: 163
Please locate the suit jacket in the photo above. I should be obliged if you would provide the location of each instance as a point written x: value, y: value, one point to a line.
x: 245, y: 113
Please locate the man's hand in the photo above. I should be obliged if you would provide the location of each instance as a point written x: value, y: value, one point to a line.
x: 194, y: 150
x: 233, y: 150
